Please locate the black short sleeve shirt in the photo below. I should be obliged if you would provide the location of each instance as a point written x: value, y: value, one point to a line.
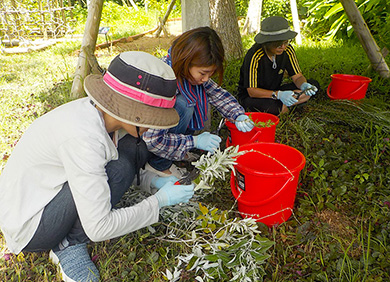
x: 257, y: 71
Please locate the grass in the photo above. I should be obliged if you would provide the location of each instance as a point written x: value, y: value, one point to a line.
x: 339, y: 230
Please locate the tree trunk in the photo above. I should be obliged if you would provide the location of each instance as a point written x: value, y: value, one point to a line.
x: 87, y: 47
x: 363, y: 33
x: 296, y: 23
x: 164, y: 20
x: 224, y: 21
x: 253, y: 17
x: 194, y: 13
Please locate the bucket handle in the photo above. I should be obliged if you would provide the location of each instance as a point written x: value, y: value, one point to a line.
x: 254, y: 137
x: 329, y: 87
x: 350, y: 94
x: 357, y: 90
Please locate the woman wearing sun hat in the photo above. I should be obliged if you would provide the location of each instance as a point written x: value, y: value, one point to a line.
x: 68, y: 171
x: 265, y: 64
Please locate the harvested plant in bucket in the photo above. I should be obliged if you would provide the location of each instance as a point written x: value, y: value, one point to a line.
x: 260, y: 124
x: 264, y: 130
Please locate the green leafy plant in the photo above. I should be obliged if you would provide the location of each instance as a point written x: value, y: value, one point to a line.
x: 261, y: 124
x: 328, y: 18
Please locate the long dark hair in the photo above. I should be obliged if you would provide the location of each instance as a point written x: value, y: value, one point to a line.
x: 199, y: 47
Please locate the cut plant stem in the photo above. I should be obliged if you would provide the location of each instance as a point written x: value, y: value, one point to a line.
x: 261, y: 124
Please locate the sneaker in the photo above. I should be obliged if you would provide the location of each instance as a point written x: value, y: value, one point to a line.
x: 75, y: 264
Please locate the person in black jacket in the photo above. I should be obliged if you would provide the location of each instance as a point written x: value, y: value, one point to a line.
x: 260, y: 87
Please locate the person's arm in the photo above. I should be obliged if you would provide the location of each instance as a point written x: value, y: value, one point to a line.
x: 84, y: 160
x: 168, y: 145
x: 301, y: 82
x: 296, y: 74
x: 261, y: 93
x: 298, y: 79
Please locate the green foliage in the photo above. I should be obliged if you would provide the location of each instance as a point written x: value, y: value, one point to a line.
x: 276, y: 8
x: 339, y: 230
x: 80, y: 15
x: 124, y: 21
x: 328, y: 19
x: 241, y: 7
x: 282, y: 8
x: 344, y: 142
x: 31, y: 85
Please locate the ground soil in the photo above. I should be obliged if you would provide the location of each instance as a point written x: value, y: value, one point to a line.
x: 149, y: 42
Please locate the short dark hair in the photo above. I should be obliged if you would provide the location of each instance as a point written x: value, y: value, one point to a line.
x: 197, y: 47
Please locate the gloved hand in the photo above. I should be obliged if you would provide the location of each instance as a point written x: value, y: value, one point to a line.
x: 244, y: 123
x: 171, y: 194
x: 309, y: 89
x: 287, y: 97
x: 207, y: 141
x: 159, y: 181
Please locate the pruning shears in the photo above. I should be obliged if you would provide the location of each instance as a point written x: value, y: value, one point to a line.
x: 298, y: 94
x: 187, y: 180
x: 221, y: 123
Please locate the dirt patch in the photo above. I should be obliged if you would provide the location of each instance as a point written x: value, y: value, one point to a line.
x: 339, y: 224
x: 149, y: 44
x: 146, y: 44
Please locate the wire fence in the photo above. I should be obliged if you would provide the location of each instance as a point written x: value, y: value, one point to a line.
x: 27, y: 20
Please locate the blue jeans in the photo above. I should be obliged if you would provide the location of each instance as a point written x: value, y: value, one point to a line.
x: 185, y: 114
x: 60, y: 219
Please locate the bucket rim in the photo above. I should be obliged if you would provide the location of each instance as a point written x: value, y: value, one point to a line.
x: 351, y: 76
x: 274, y: 118
x: 299, y: 167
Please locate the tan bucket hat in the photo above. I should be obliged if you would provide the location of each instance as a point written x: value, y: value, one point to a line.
x: 274, y: 28
x: 137, y: 89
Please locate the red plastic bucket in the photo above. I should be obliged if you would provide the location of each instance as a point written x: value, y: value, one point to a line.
x: 266, y: 181
x: 348, y: 86
x: 257, y: 134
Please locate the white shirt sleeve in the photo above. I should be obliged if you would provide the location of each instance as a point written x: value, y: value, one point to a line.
x: 88, y: 183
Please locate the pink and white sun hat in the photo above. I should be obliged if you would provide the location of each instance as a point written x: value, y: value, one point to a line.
x: 137, y: 89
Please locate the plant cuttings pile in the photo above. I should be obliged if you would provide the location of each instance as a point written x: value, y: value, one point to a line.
x: 219, y: 247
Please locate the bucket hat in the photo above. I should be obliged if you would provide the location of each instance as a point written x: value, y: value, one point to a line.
x: 137, y: 89
x: 274, y: 29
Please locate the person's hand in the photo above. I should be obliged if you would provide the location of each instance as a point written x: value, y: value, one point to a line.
x: 309, y: 89
x: 207, y: 141
x: 171, y: 194
x: 244, y: 123
x: 287, y: 97
x: 159, y: 181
